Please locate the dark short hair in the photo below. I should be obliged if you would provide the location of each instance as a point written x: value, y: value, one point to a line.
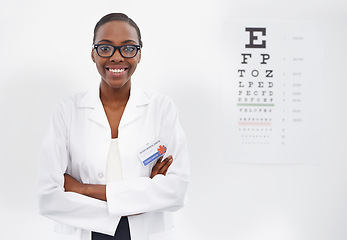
x: 117, y: 17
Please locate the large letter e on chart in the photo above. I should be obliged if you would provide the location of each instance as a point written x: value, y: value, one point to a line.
x: 252, y: 38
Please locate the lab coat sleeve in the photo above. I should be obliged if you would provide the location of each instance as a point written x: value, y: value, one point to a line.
x: 66, y: 207
x: 161, y: 193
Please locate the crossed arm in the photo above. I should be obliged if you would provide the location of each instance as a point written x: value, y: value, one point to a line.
x: 98, y: 191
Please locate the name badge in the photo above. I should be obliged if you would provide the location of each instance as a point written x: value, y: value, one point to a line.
x: 151, y: 152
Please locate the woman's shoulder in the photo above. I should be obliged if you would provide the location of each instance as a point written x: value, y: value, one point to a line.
x: 82, y: 99
x: 156, y: 98
x: 162, y: 103
x: 71, y: 102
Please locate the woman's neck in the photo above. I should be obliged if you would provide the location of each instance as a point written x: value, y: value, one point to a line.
x: 114, y: 97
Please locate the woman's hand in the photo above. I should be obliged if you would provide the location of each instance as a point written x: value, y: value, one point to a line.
x: 161, y: 167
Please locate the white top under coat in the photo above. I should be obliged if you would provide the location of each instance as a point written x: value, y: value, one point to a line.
x: 113, y: 165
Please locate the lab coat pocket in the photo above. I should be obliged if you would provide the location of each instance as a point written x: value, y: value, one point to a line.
x: 166, y: 235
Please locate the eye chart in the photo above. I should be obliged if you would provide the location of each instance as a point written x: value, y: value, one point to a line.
x: 271, y: 91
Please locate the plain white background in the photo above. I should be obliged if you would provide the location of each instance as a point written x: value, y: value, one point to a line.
x: 45, y: 55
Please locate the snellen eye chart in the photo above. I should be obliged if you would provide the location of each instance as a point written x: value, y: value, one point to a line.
x: 271, y: 91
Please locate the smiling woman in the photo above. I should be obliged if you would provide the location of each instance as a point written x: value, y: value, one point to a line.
x: 92, y: 180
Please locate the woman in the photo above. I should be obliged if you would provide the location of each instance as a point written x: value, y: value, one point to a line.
x: 96, y: 180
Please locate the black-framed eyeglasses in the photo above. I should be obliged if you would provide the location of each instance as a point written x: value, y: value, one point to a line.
x: 107, y: 50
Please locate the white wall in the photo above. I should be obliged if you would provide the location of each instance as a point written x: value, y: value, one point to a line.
x: 45, y: 55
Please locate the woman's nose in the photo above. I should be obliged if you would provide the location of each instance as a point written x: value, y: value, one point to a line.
x: 117, y: 57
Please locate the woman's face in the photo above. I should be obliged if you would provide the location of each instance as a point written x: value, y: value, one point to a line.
x: 116, y: 71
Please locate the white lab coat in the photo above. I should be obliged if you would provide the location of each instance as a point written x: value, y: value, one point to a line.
x: 77, y: 143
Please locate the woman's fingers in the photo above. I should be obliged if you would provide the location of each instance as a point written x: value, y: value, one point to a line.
x: 156, y: 167
x: 166, y: 164
x: 161, y: 167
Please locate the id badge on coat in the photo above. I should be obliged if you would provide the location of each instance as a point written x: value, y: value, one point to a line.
x: 151, y: 152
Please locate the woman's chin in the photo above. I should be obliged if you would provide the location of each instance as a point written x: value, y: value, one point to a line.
x: 116, y: 83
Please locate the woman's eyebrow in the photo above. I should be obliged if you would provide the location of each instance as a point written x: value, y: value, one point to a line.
x: 105, y: 40
x: 128, y: 41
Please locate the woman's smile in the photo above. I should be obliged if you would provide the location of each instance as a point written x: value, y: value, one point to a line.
x: 117, y: 70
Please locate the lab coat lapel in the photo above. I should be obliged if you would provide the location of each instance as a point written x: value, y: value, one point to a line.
x: 135, y: 106
x: 97, y: 113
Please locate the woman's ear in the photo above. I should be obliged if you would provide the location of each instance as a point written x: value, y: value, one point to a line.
x: 92, y: 55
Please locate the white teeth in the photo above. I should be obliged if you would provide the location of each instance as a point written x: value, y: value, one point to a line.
x: 116, y: 70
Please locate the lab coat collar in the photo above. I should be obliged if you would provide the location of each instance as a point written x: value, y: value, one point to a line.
x: 91, y: 99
